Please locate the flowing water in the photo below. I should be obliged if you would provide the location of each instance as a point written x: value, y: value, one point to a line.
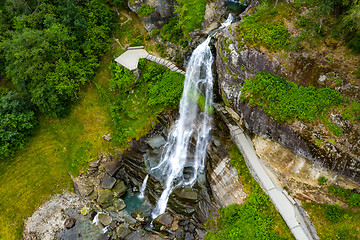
x: 193, y: 124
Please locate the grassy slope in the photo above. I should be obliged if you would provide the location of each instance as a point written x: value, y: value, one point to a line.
x: 347, y: 228
x: 41, y: 168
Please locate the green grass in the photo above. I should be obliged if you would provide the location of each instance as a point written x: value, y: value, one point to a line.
x: 257, y: 218
x: 346, y: 226
x: 41, y: 169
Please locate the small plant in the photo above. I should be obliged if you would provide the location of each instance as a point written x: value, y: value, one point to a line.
x: 333, y: 213
x: 322, y: 180
x: 242, y: 68
x: 145, y: 10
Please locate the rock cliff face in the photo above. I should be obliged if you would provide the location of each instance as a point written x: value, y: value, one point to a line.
x: 163, y: 12
x: 235, y: 63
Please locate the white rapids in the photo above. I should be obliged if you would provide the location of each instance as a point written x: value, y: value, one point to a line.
x: 193, y: 124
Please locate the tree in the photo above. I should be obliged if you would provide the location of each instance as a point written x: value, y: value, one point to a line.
x: 17, y: 122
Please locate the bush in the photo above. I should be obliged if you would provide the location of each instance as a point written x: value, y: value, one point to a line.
x: 191, y: 14
x: 145, y: 10
x: 333, y: 213
x: 349, y: 196
x: 255, y: 30
x: 138, y: 41
x: 167, y: 90
x: 17, y: 122
x: 322, y: 180
x: 122, y: 79
x: 285, y: 101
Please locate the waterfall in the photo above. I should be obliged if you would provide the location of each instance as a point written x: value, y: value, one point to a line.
x: 192, y: 124
x: 143, y: 186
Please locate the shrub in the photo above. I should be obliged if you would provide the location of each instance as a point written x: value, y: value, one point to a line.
x: 138, y: 41
x: 333, y: 213
x: 263, y: 32
x: 322, y: 180
x: 17, y: 122
x: 285, y: 101
x: 145, y: 10
x: 191, y: 14
x: 167, y: 90
x: 122, y: 79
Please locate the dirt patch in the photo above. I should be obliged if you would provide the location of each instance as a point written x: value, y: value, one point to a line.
x: 50, y: 217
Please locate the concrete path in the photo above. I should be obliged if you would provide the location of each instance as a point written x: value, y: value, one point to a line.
x: 130, y: 59
x: 290, y: 209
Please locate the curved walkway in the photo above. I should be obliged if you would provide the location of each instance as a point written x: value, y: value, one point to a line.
x: 130, y: 59
x: 290, y: 210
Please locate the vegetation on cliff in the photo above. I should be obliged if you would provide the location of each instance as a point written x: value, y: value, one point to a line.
x: 344, y: 219
x: 136, y: 102
x: 257, y: 218
x: 285, y: 100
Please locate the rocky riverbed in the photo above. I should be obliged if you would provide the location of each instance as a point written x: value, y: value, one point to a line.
x: 107, y: 204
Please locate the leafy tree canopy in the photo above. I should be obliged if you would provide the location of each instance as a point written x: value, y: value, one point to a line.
x: 52, y: 48
x: 17, y: 121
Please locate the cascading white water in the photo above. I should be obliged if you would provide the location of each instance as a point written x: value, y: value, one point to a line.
x: 192, y: 123
x: 142, y: 190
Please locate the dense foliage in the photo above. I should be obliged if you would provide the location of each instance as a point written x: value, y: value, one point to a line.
x: 167, y: 90
x: 16, y: 123
x: 351, y: 197
x: 285, y: 100
x: 255, y: 219
x: 191, y: 14
x: 256, y: 30
x: 138, y: 101
x: 252, y: 220
x: 122, y: 78
x: 52, y: 47
x: 145, y: 10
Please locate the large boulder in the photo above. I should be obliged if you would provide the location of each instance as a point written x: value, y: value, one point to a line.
x: 164, y: 10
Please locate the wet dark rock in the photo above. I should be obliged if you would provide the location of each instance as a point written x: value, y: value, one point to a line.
x: 165, y: 219
x: 122, y: 232
x: 108, y: 182
x: 69, y: 223
x: 189, y: 236
x: 104, y: 219
x: 201, y: 233
x: 139, y: 234
x: 105, y: 197
x: 179, y: 234
x: 183, y: 222
x: 113, y: 224
x: 156, y: 141
x: 112, y: 165
x: 104, y: 236
x: 119, y: 204
x: 119, y: 189
x: 187, y: 195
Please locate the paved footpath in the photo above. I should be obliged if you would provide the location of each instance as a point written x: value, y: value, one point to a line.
x: 290, y: 209
x: 130, y: 59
